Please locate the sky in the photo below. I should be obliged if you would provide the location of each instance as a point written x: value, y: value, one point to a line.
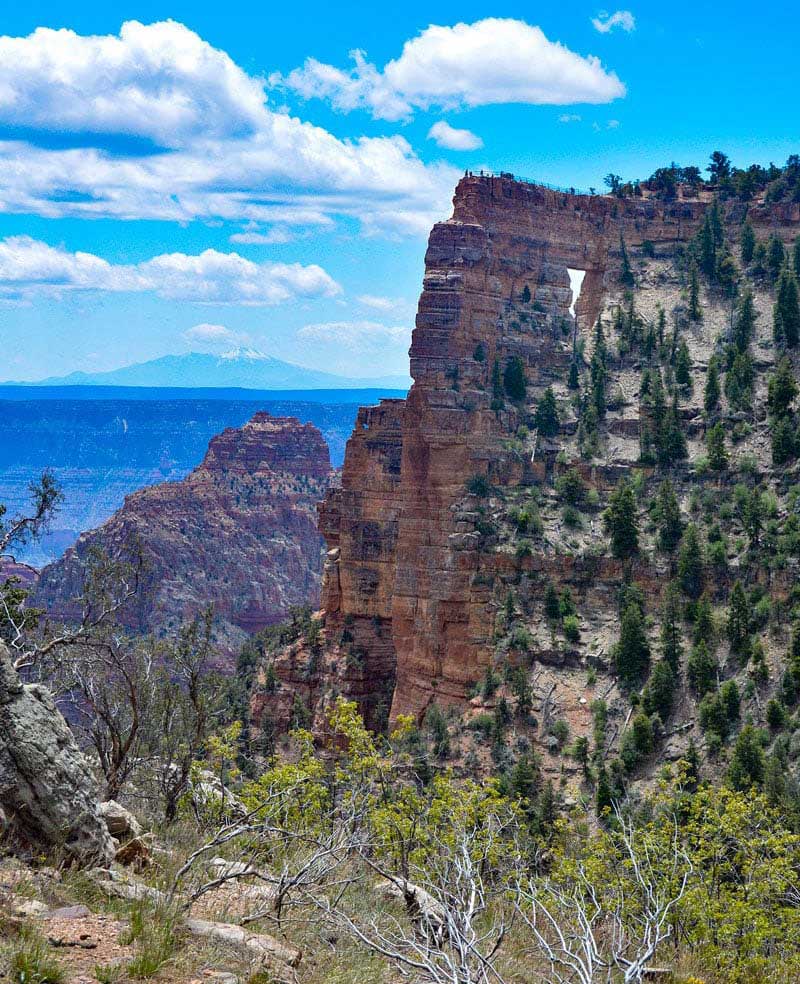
x: 181, y: 176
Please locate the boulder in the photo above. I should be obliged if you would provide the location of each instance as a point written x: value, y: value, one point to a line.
x: 47, y: 790
x: 121, y: 823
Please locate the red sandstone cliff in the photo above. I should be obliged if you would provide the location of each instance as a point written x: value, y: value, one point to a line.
x: 239, y: 532
x: 414, y: 584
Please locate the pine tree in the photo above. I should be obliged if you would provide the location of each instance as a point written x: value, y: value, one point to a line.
x: 784, y: 441
x: 683, y: 366
x: 632, y: 652
x: 695, y: 311
x: 796, y: 257
x: 748, y: 243
x: 552, y: 603
x: 625, y: 271
x: 739, y: 382
x: 704, y: 626
x: 620, y: 521
x: 668, y: 518
x: 514, y: 381
x: 776, y: 256
x: 711, y: 394
x: 786, y: 312
x: 702, y: 669
x: 782, y: 388
x: 745, y: 322
x: 661, y: 325
x: 547, y: 414
x: 670, y: 439
x: 715, y: 446
x: 690, y: 563
x: 708, y: 251
x: 737, y: 626
x: 747, y: 762
x: 671, y: 637
x: 574, y: 378
x: 659, y: 694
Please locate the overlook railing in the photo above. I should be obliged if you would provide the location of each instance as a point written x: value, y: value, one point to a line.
x: 532, y: 181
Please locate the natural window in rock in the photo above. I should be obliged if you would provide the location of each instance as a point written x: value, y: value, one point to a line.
x: 575, y: 282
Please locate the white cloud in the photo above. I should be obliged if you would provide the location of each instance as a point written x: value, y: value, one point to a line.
x: 569, y: 118
x: 275, y: 236
x: 379, y: 303
x: 496, y: 60
x: 84, y: 112
x: 159, y: 82
x: 605, y: 22
x: 209, y: 336
x: 29, y: 266
x: 453, y: 139
x: 379, y: 348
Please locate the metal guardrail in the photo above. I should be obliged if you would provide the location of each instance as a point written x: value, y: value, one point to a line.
x: 532, y: 181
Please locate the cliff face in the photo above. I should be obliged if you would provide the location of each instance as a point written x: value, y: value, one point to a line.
x: 407, y: 577
x: 436, y: 571
x: 239, y: 532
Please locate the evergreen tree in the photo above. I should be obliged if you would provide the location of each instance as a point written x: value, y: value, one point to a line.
x: 745, y: 322
x: 747, y: 762
x: 702, y: 669
x: 708, y: 250
x: 737, y: 626
x: 711, y: 395
x: 625, y: 271
x: 683, y: 366
x: 632, y: 652
x: 753, y: 516
x: 748, y: 243
x: 739, y: 382
x: 796, y: 257
x: 670, y: 439
x: 552, y: 603
x: 715, y: 446
x: 695, y: 311
x: 782, y: 388
x: 547, y: 414
x: 661, y: 325
x: 574, y: 377
x: 659, y: 694
x: 620, y: 521
x: 514, y: 381
x: 690, y: 563
x: 668, y: 518
x: 671, y: 638
x: 525, y: 297
x: 784, y: 441
x: 776, y: 256
x: 704, y: 627
x: 786, y: 312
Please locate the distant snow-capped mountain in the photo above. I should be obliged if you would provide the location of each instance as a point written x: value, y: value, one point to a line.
x: 245, y: 368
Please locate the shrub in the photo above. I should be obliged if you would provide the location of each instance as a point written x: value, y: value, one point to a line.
x: 479, y: 486
x: 572, y: 630
x: 30, y: 961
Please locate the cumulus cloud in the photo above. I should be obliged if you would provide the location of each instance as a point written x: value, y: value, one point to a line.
x: 84, y: 121
x: 213, y: 337
x: 495, y: 60
x: 605, y: 22
x: 29, y: 267
x: 159, y: 82
x: 569, y: 118
x: 452, y: 138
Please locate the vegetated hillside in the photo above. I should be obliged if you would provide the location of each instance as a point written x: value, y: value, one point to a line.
x: 578, y: 539
x: 103, y: 449
x: 239, y: 532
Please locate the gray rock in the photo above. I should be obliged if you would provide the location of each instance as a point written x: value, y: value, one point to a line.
x: 121, y: 823
x: 47, y: 790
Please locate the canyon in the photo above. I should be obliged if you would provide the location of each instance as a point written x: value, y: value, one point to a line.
x: 428, y: 584
x: 238, y: 533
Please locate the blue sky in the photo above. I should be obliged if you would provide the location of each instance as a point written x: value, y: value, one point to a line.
x: 204, y: 178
